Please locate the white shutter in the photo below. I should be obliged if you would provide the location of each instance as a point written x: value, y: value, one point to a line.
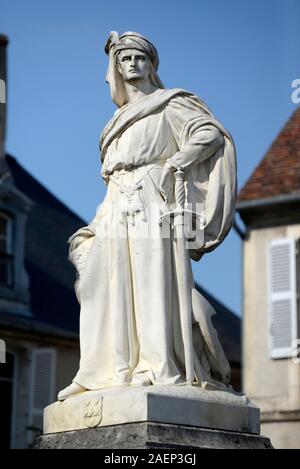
x: 43, y: 382
x: 282, y: 294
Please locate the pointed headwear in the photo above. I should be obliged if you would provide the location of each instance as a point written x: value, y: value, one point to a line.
x: 114, y: 45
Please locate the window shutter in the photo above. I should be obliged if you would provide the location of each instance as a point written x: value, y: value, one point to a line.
x: 42, y: 391
x: 282, y: 297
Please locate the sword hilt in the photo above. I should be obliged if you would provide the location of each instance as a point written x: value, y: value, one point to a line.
x: 179, y: 188
x: 176, y: 216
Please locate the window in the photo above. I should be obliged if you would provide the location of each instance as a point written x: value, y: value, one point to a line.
x: 6, y: 252
x: 43, y: 384
x: 282, y: 292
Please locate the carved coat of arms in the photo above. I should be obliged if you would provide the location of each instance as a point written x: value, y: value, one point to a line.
x: 92, y: 413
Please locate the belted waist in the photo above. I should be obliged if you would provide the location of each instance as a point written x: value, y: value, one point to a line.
x: 130, y: 183
x: 143, y: 168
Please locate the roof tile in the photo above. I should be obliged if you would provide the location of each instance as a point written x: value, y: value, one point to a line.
x: 279, y: 171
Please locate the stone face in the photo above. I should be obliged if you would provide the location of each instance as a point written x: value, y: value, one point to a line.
x: 152, y: 435
x: 179, y: 405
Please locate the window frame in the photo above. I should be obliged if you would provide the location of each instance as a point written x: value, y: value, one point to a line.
x: 283, y: 352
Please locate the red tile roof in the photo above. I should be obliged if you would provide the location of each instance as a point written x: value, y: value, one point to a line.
x: 279, y: 171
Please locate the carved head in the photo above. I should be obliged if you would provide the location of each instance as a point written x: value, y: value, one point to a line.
x: 131, y: 56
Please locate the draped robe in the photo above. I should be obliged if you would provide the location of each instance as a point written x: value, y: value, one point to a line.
x: 130, y: 327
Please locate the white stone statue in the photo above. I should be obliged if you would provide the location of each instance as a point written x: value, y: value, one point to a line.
x: 142, y: 321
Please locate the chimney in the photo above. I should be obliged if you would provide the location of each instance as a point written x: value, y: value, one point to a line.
x: 3, y: 92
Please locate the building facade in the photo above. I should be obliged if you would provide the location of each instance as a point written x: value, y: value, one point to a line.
x: 269, y: 205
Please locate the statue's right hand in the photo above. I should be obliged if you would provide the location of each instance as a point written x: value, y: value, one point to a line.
x: 76, y: 242
x: 82, y: 238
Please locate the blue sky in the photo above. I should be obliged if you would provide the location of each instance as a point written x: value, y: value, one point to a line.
x: 239, y: 56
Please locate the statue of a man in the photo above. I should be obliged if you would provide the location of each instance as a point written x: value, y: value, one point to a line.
x: 133, y: 330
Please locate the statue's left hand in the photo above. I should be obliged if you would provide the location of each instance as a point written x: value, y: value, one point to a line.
x: 167, y: 183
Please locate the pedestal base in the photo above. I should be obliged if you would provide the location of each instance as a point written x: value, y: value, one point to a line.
x: 148, y: 435
x: 153, y: 417
x: 179, y: 405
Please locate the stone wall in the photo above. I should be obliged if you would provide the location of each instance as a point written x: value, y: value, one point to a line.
x: 273, y: 384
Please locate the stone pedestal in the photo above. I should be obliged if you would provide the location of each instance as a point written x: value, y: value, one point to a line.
x: 153, y: 417
x: 148, y: 435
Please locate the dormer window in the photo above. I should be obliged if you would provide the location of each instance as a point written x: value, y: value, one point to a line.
x: 6, y: 252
